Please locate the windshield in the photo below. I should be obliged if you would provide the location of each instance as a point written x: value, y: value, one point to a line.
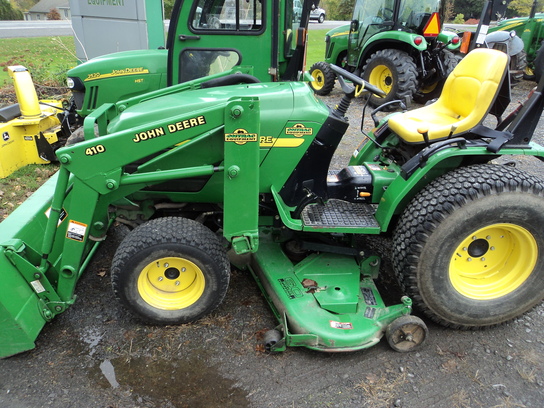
x: 374, y: 12
x: 414, y: 14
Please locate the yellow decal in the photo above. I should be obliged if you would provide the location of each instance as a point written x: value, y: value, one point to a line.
x: 117, y: 73
x: 93, y: 150
x: 186, y: 124
x: 240, y: 136
x: 148, y: 134
x: 339, y: 34
x: 299, y: 130
x: 269, y: 141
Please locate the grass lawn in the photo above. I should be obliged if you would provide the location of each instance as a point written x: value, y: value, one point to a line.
x: 316, y: 47
x: 47, y: 58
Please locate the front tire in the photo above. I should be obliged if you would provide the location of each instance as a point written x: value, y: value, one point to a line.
x: 170, y: 270
x: 324, y: 78
x: 469, y: 247
x: 394, y: 72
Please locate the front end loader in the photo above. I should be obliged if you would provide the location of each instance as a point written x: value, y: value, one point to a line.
x: 210, y: 174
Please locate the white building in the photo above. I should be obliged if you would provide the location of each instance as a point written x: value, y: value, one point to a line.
x: 43, y: 7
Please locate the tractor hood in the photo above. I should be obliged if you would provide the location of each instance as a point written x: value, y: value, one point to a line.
x: 279, y: 103
x: 119, y: 64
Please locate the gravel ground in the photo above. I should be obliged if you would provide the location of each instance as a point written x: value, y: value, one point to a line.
x: 96, y: 355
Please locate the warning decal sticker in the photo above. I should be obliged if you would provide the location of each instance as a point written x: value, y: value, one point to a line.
x: 76, y: 231
x: 340, y: 325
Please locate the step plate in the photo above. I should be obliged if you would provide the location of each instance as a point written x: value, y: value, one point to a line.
x: 339, y: 214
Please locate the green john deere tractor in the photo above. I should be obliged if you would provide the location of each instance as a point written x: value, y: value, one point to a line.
x: 396, y: 45
x: 530, y: 30
x: 228, y: 170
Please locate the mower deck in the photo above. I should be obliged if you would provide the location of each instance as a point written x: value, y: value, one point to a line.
x: 326, y: 302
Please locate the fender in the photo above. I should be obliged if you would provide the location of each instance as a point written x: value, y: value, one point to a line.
x: 401, y: 191
x: 391, y: 39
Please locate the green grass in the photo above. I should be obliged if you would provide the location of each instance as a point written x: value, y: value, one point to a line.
x: 19, y: 185
x: 316, y: 47
x: 47, y: 58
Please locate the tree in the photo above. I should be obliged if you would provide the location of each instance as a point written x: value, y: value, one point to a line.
x: 9, y: 13
x: 338, y: 9
x: 522, y: 8
x: 168, y: 5
x: 469, y: 8
x: 53, y: 14
x: 448, y: 10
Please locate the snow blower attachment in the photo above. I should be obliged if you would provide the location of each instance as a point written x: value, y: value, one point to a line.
x: 30, y: 128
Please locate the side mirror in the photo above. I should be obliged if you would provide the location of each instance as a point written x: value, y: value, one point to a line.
x: 354, y: 26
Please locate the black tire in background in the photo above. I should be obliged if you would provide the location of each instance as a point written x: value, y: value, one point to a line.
x: 539, y: 64
x: 324, y: 78
x: 469, y: 248
x: 432, y: 91
x: 394, y: 72
x: 170, y: 270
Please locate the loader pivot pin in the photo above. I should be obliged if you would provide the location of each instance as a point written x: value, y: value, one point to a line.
x: 236, y: 111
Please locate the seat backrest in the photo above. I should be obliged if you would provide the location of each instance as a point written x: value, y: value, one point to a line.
x: 472, y: 86
x: 467, y: 97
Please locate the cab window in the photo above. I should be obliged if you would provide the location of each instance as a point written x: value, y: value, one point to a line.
x: 227, y: 15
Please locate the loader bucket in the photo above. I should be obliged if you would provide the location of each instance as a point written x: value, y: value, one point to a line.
x: 22, y: 310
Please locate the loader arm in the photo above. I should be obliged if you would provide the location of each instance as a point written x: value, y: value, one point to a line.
x: 44, y: 268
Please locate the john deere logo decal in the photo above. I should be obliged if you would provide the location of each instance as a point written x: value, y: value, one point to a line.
x: 241, y: 136
x: 299, y: 130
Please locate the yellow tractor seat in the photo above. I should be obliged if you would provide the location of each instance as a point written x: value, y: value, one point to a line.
x: 467, y: 96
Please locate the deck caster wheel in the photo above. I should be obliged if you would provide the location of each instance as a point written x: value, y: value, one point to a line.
x: 407, y: 333
x: 271, y: 337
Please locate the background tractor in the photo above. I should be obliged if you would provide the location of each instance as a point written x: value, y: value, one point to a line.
x: 205, y: 37
x: 530, y: 30
x: 396, y: 45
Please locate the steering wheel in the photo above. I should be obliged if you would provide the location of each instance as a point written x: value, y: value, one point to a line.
x: 387, y: 17
x: 357, y: 80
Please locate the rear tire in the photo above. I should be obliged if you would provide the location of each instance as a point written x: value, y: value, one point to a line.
x: 469, y: 248
x: 429, y: 92
x: 324, y: 78
x: 394, y: 72
x: 170, y: 270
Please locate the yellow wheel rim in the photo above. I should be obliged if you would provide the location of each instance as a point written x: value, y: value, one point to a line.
x: 319, y: 79
x: 428, y: 88
x: 171, y: 283
x: 493, y: 261
x: 381, y: 77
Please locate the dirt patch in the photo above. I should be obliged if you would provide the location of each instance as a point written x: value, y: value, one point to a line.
x: 96, y: 355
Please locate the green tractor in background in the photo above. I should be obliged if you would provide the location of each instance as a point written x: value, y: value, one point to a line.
x: 396, y: 45
x: 204, y: 38
x: 531, y: 31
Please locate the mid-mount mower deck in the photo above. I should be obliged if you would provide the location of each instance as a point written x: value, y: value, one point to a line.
x: 208, y: 169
